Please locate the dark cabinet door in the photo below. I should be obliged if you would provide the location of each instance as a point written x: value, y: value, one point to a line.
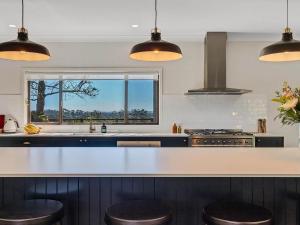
x: 269, y: 142
x: 98, y: 141
x: 32, y: 142
x: 13, y: 142
x: 174, y: 142
x: 77, y: 142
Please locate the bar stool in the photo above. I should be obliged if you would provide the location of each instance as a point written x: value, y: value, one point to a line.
x: 236, y: 213
x: 138, y: 212
x: 32, y: 212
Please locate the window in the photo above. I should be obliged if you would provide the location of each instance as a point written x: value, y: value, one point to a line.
x: 104, y: 98
x: 44, y: 100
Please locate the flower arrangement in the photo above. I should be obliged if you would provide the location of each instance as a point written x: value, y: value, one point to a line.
x: 289, y: 109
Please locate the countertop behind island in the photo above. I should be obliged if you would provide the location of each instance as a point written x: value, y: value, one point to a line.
x: 149, y: 162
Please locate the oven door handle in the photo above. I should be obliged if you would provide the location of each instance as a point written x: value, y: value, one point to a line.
x: 138, y: 144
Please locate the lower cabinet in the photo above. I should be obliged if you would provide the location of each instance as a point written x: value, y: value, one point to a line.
x: 57, y: 142
x: 87, y: 141
x: 269, y: 141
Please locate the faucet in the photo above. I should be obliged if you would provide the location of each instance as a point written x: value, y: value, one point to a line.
x: 92, y: 126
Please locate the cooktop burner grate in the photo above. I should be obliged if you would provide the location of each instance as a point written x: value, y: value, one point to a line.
x: 219, y: 137
x: 208, y: 132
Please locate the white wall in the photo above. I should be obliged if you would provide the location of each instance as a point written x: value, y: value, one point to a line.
x: 243, y: 71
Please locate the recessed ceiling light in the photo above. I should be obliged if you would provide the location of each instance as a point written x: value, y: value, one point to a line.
x: 12, y: 25
x: 134, y: 25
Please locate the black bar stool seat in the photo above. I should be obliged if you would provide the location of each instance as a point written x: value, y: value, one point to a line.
x: 236, y: 213
x: 32, y: 212
x: 138, y: 212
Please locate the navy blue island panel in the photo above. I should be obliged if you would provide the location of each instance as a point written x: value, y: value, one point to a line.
x: 86, y: 198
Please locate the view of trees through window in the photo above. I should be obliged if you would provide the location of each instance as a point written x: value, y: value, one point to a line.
x: 112, y: 101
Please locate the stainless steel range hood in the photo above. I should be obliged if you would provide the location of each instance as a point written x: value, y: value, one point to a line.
x: 215, y: 67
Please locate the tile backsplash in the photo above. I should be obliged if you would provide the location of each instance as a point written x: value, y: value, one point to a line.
x: 208, y: 111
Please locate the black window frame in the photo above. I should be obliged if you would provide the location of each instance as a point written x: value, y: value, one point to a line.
x: 156, y: 102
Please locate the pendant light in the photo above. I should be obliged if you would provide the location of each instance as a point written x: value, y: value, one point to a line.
x: 22, y: 48
x: 287, y: 49
x: 156, y: 49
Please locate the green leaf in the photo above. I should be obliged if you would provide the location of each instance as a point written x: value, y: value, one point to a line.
x: 277, y: 100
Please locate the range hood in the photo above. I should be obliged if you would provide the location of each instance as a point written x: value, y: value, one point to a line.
x: 215, y: 67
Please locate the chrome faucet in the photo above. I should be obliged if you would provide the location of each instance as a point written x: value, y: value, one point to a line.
x: 92, y: 126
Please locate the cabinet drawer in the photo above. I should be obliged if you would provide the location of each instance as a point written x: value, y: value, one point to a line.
x: 13, y: 142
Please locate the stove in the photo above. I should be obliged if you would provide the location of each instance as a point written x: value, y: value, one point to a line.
x: 220, y: 138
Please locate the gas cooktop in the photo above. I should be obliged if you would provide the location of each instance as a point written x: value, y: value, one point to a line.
x: 207, y: 132
x: 219, y: 137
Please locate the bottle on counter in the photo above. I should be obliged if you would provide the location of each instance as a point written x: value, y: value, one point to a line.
x: 174, y: 128
x: 103, y: 128
x: 262, y: 126
x: 179, y: 129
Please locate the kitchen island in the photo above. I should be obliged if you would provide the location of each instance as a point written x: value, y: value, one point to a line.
x: 150, y: 162
x: 88, y: 180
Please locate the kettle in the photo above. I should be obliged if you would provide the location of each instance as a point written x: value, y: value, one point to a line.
x: 10, y: 126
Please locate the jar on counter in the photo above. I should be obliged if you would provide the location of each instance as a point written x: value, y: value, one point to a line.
x: 174, y: 128
x: 262, y: 126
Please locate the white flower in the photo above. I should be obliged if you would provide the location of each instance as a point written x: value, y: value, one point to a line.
x: 290, y: 104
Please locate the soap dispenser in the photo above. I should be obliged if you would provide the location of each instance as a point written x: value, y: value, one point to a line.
x: 103, y: 128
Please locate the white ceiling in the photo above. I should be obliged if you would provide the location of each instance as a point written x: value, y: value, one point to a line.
x: 111, y: 20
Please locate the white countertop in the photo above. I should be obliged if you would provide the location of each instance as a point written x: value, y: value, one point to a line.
x: 143, y: 162
x: 63, y: 134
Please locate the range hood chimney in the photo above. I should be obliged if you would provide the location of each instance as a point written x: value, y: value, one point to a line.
x: 215, y: 67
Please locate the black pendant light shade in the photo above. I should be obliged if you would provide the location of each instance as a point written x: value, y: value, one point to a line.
x: 22, y: 49
x: 285, y: 50
x: 156, y: 49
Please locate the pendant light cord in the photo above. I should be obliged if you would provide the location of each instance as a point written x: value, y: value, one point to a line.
x: 22, y: 13
x: 287, y: 13
x: 155, y: 27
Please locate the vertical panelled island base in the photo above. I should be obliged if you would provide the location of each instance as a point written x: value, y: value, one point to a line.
x: 86, y: 198
x: 89, y: 180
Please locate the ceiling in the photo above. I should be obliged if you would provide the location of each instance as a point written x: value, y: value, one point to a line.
x: 111, y: 20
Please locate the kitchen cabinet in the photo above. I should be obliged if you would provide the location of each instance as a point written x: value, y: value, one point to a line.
x: 27, y: 141
x: 269, y: 141
x: 57, y: 142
